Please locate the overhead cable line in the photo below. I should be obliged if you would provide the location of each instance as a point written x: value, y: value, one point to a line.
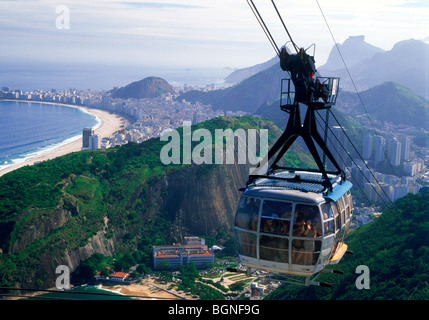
x: 264, y: 26
x: 284, y: 26
x: 361, y: 158
x: 327, y: 138
x: 361, y: 101
x: 339, y: 142
x: 349, y: 74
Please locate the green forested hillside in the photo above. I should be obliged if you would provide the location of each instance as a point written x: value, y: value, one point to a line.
x: 389, y: 102
x: 395, y: 248
x: 116, y: 201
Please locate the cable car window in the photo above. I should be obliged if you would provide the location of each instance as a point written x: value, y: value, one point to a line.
x: 341, y: 204
x: 275, y: 217
x: 305, y: 251
x: 245, y: 243
x: 349, y: 199
x: 305, y: 215
x: 343, y: 212
x: 274, y: 249
x: 328, y: 219
x: 247, y: 213
x: 336, y: 216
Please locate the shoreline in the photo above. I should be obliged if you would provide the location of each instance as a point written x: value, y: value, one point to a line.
x: 108, y: 124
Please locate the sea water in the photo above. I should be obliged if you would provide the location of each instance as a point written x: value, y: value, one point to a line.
x: 28, y: 129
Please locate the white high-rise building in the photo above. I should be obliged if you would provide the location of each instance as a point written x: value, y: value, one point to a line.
x: 86, y: 137
x: 367, y: 147
x: 94, y: 142
x: 380, y: 149
x: 395, y: 152
x: 405, y: 149
x: 89, y: 139
x: 339, y: 146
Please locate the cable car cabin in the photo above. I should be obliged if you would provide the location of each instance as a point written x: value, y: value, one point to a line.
x: 292, y: 227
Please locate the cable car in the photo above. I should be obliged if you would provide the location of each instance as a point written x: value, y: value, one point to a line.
x: 293, y: 221
x: 290, y: 227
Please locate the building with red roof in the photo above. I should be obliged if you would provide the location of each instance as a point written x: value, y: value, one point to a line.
x: 172, y: 256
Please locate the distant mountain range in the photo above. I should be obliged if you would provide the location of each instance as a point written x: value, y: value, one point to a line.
x: 248, y: 95
x: 407, y: 63
x: 394, y: 84
x: 354, y: 50
x: 244, y: 73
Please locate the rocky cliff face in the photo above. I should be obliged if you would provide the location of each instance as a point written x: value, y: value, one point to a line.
x: 198, y: 200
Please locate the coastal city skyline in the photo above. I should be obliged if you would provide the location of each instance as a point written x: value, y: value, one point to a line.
x: 150, y: 117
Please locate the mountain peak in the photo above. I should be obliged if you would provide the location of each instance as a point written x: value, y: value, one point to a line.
x: 354, y: 49
x: 149, y: 87
x: 355, y: 39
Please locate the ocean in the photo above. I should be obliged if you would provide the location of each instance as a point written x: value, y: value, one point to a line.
x: 100, y: 77
x: 28, y: 129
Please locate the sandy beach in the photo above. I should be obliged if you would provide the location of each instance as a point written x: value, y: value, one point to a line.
x: 148, y: 290
x: 110, y: 123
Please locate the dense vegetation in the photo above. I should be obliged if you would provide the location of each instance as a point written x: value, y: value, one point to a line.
x: 388, y: 103
x: 54, y: 207
x: 149, y: 87
x: 395, y: 248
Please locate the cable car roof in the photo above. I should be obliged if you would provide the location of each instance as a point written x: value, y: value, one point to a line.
x: 297, y: 190
x: 339, y: 190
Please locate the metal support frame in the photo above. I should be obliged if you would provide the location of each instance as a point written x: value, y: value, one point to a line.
x: 307, y: 130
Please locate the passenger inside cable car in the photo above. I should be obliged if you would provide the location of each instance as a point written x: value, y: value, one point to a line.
x: 290, y: 232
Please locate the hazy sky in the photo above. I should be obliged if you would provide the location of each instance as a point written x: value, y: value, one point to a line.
x: 188, y: 33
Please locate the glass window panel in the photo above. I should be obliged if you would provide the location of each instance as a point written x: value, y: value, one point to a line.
x: 305, y: 252
x: 340, y: 204
x: 274, y: 249
x: 336, y: 216
x: 328, y: 222
x: 245, y: 243
x: 306, y: 218
x: 247, y: 213
x: 278, y: 209
x: 275, y: 217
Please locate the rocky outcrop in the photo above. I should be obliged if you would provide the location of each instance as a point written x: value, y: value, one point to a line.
x: 98, y: 243
x: 39, y: 225
x: 200, y: 200
x: 149, y: 87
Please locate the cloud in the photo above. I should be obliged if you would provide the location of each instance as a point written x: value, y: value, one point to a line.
x: 218, y: 32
